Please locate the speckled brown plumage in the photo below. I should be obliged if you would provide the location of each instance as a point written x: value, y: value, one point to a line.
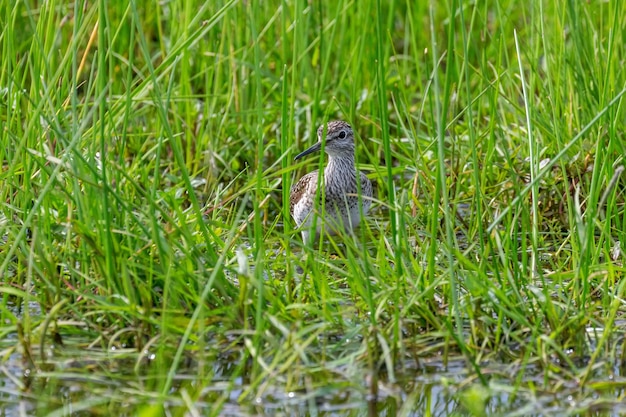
x: 340, y: 194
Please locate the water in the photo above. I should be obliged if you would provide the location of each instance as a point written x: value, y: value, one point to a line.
x: 76, y: 380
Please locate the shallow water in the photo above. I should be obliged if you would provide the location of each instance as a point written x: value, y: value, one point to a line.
x: 82, y: 381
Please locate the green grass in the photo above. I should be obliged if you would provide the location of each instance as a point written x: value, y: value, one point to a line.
x: 147, y: 152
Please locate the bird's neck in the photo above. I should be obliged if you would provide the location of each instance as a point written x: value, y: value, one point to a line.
x: 342, y: 164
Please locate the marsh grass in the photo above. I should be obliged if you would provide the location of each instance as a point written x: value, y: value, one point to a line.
x: 147, y: 156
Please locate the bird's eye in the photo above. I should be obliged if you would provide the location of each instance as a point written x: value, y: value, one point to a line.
x: 342, y: 134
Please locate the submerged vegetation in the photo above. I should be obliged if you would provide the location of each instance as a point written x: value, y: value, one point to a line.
x: 148, y: 262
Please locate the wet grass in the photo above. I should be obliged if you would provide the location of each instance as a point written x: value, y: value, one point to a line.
x: 148, y: 263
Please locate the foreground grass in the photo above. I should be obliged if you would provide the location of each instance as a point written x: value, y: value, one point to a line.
x: 146, y: 154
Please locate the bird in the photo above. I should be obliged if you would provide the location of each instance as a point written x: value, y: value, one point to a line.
x: 340, y: 193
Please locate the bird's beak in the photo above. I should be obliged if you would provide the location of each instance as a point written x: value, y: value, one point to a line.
x: 316, y: 147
